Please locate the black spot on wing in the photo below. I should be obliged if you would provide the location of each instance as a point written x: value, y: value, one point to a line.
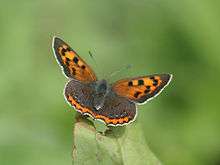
x: 137, y: 94
x: 155, y: 82
x: 75, y: 59
x: 148, y: 87
x: 152, y: 77
x: 140, y: 82
x: 63, y: 51
x: 68, y: 49
x: 74, y: 71
x: 147, y: 91
x: 83, y: 66
x: 67, y: 62
x: 130, y: 83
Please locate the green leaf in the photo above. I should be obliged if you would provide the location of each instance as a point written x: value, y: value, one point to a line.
x: 118, y: 146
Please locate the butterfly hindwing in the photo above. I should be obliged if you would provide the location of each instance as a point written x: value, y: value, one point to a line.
x: 73, y: 66
x: 116, y: 110
x: 141, y: 89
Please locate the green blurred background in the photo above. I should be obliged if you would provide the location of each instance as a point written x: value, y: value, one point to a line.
x: 181, y: 126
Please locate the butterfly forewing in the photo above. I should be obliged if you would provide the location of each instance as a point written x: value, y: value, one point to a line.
x: 141, y: 89
x: 73, y: 66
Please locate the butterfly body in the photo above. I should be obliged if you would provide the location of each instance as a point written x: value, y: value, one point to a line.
x: 114, y: 104
x: 101, y: 91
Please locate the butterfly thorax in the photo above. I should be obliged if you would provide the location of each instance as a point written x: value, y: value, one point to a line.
x: 101, y: 90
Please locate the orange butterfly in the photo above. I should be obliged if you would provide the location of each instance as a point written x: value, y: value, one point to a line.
x: 115, y: 104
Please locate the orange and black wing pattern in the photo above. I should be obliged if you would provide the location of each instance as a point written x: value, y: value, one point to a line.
x: 141, y: 89
x: 73, y: 66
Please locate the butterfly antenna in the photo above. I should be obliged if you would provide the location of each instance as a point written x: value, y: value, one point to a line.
x: 93, y: 59
x: 120, y: 70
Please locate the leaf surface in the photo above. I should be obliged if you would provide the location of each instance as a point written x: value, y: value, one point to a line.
x: 118, y: 146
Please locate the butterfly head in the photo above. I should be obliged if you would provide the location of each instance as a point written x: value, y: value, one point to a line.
x: 101, y: 91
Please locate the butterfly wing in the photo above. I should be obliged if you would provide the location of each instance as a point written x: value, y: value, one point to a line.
x: 82, y: 93
x: 115, y: 111
x: 72, y: 65
x: 141, y: 89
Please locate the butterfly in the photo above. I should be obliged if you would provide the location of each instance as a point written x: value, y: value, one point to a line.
x: 114, y: 104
